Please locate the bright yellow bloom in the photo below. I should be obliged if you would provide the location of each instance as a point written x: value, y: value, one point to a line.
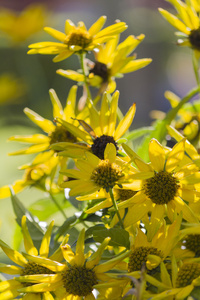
x: 53, y: 132
x: 19, y: 27
x: 39, y: 174
x: 184, y: 278
x: 164, y: 186
x: 94, y: 174
x: 76, y: 39
x: 111, y: 61
x: 9, y: 289
x: 11, y: 88
x: 75, y: 279
x: 101, y: 130
x: 187, y: 22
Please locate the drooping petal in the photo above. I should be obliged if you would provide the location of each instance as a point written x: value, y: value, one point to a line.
x: 15, y: 256
x: 44, y: 124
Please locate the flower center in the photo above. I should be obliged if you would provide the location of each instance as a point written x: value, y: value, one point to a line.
x: 79, y: 280
x: 100, y: 143
x: 78, y: 37
x: 139, y: 255
x: 192, y: 243
x: 194, y: 38
x: 124, y: 194
x: 106, y: 174
x: 187, y: 273
x: 101, y: 70
x: 32, y: 268
x: 60, y: 134
x: 161, y: 188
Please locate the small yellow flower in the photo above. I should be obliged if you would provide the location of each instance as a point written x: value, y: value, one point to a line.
x: 19, y: 27
x: 95, y: 174
x: 76, y: 38
x: 164, y: 186
x: 9, y: 289
x: 187, y: 22
x: 112, y: 60
x: 38, y: 174
x: 78, y: 277
x: 101, y: 130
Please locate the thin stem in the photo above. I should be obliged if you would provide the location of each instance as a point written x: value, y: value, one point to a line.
x: 116, y: 208
x: 83, y: 67
x: 58, y: 205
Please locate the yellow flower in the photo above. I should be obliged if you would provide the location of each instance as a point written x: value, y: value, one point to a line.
x: 111, y: 61
x: 75, y: 279
x: 95, y: 174
x: 19, y: 27
x: 187, y: 23
x: 9, y: 288
x: 101, y: 130
x: 53, y: 133
x: 164, y: 187
x: 184, y: 279
x: 76, y: 38
x: 152, y: 250
x: 11, y: 88
x: 39, y: 174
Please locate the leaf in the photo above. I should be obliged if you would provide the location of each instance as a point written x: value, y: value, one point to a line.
x: 119, y: 237
x: 35, y: 230
x: 65, y: 226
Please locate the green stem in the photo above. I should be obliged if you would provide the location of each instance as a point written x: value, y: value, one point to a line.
x: 83, y: 67
x: 195, y: 61
x: 116, y: 208
x: 58, y: 205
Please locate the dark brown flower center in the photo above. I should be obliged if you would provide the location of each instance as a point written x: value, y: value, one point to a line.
x: 101, y: 70
x: 79, y: 280
x: 194, y: 38
x: 187, y: 273
x: 78, y: 37
x: 32, y: 268
x: 139, y: 255
x: 161, y: 188
x: 192, y: 243
x: 60, y: 134
x: 124, y: 194
x: 99, y: 145
x: 106, y: 174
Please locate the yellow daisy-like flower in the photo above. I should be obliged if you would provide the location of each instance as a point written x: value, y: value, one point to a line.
x: 76, y: 39
x: 101, y: 130
x: 9, y: 289
x: 164, y: 187
x: 53, y: 132
x: 111, y: 61
x: 38, y: 174
x: 152, y: 250
x: 19, y: 27
x: 187, y: 22
x: 94, y: 174
x: 75, y: 279
x: 184, y: 280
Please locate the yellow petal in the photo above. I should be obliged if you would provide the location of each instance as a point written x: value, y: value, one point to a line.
x: 96, y: 256
x: 104, y: 114
x: 110, y: 152
x: 10, y: 269
x: 135, y: 65
x: 44, y: 248
x: 96, y: 27
x: 55, y: 33
x: 15, y: 256
x: 175, y: 156
x: 69, y: 26
x: 125, y: 123
x: 57, y: 106
x: 157, y: 155
x: 28, y: 243
x: 33, y: 139
x: 113, y: 113
x: 45, y: 124
x: 79, y: 257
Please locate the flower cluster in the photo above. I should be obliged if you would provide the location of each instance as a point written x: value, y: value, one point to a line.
x: 131, y: 226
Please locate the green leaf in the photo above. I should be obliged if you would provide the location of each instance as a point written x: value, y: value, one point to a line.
x: 35, y: 230
x: 45, y: 208
x: 136, y: 133
x: 119, y: 237
x: 65, y: 226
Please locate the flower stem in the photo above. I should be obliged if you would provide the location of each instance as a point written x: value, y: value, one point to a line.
x: 85, y: 71
x: 58, y: 205
x: 115, y: 207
